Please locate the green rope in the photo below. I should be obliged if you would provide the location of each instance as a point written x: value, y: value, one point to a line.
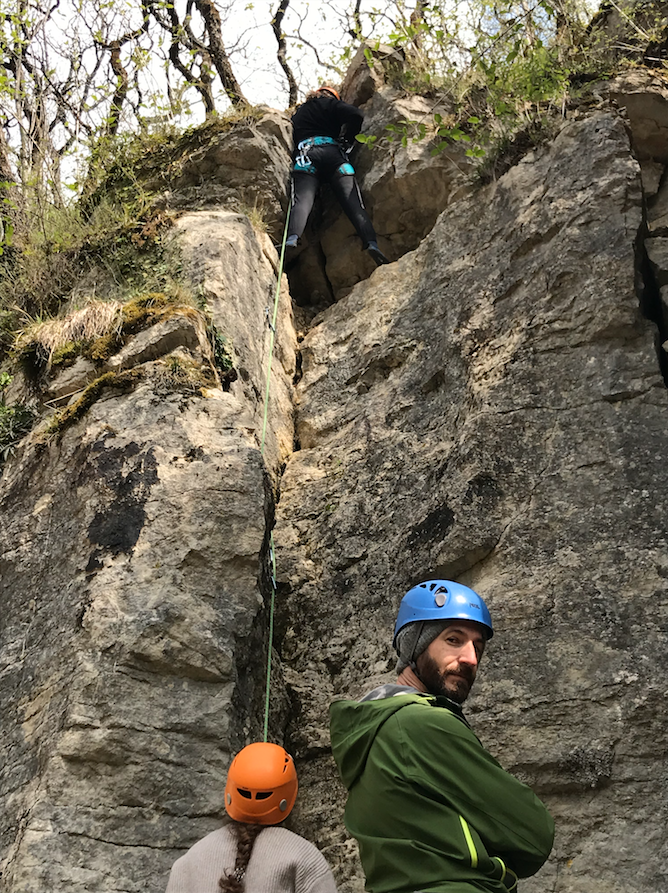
x: 272, y: 562
x: 272, y: 557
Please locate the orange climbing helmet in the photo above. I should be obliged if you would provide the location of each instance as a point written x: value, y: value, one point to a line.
x: 326, y: 88
x: 261, y: 785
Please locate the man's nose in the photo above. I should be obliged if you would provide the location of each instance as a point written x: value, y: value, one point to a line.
x: 468, y: 654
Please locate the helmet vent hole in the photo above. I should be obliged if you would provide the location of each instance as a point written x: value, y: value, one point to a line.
x: 246, y: 794
x: 263, y: 795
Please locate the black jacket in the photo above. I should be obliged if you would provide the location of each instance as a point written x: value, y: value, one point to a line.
x: 326, y: 116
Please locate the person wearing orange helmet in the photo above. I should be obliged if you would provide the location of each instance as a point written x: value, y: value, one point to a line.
x: 251, y: 854
x: 324, y: 130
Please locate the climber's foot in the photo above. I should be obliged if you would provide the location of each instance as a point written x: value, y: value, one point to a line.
x: 376, y: 254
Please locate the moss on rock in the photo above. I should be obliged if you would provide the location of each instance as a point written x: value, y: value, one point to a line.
x: 118, y: 381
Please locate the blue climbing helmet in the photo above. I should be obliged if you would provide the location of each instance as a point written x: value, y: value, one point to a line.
x: 442, y: 600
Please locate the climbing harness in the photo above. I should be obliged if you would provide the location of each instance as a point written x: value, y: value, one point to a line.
x: 304, y: 165
x: 316, y: 141
x: 272, y: 556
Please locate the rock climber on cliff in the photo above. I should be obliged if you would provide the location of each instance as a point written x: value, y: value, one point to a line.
x: 324, y: 130
x: 251, y: 853
x: 430, y: 808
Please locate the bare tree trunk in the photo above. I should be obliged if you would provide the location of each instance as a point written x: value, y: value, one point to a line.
x: 209, y: 13
x: 276, y: 24
x: 10, y: 195
x: 121, y: 90
x: 416, y: 19
x: 179, y: 32
x: 356, y: 32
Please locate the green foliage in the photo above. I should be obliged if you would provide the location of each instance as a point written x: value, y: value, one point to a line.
x: 112, y: 244
x: 504, y: 68
x: 111, y: 254
x: 222, y: 349
x: 366, y: 139
x: 9, y: 324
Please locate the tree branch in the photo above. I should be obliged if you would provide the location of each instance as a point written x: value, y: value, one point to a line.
x: 211, y: 16
x: 276, y: 23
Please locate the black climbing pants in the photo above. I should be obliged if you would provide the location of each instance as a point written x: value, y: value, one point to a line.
x: 329, y: 165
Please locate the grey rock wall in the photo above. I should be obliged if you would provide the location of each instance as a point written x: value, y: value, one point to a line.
x: 132, y: 579
x: 490, y: 408
x: 246, y: 168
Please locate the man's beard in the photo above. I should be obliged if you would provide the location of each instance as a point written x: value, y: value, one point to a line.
x: 445, y: 682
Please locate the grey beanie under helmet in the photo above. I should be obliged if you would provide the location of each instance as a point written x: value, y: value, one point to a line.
x: 416, y: 637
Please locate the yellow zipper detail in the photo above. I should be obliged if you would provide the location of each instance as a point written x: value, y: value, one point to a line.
x: 469, y: 842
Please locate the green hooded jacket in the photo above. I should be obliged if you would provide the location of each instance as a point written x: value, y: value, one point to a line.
x: 432, y: 810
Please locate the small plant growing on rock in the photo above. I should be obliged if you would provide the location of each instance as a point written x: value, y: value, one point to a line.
x: 183, y: 374
x: 222, y: 355
x: 15, y: 419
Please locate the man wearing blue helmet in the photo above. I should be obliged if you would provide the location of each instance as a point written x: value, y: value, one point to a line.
x: 431, y: 809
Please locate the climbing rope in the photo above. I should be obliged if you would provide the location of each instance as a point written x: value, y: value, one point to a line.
x: 272, y: 556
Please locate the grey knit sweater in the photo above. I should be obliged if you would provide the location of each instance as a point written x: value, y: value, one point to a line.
x: 281, y: 862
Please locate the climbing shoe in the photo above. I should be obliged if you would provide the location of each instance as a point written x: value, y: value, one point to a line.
x: 290, y: 242
x: 376, y: 253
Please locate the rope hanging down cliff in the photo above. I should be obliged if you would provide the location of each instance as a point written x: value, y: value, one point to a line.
x: 272, y: 556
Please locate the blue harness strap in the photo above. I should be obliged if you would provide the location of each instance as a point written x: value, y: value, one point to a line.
x: 304, y: 165
x: 317, y: 141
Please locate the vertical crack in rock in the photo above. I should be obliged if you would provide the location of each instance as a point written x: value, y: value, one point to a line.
x: 650, y: 294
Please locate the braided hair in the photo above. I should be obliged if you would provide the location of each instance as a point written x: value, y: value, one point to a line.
x: 246, y: 834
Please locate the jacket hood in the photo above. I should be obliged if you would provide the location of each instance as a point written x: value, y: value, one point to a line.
x: 355, y: 724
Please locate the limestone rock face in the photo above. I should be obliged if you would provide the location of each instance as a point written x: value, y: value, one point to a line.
x: 133, y: 548
x: 73, y: 380
x: 645, y: 100
x: 235, y: 270
x: 248, y: 168
x: 176, y: 332
x: 490, y: 408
